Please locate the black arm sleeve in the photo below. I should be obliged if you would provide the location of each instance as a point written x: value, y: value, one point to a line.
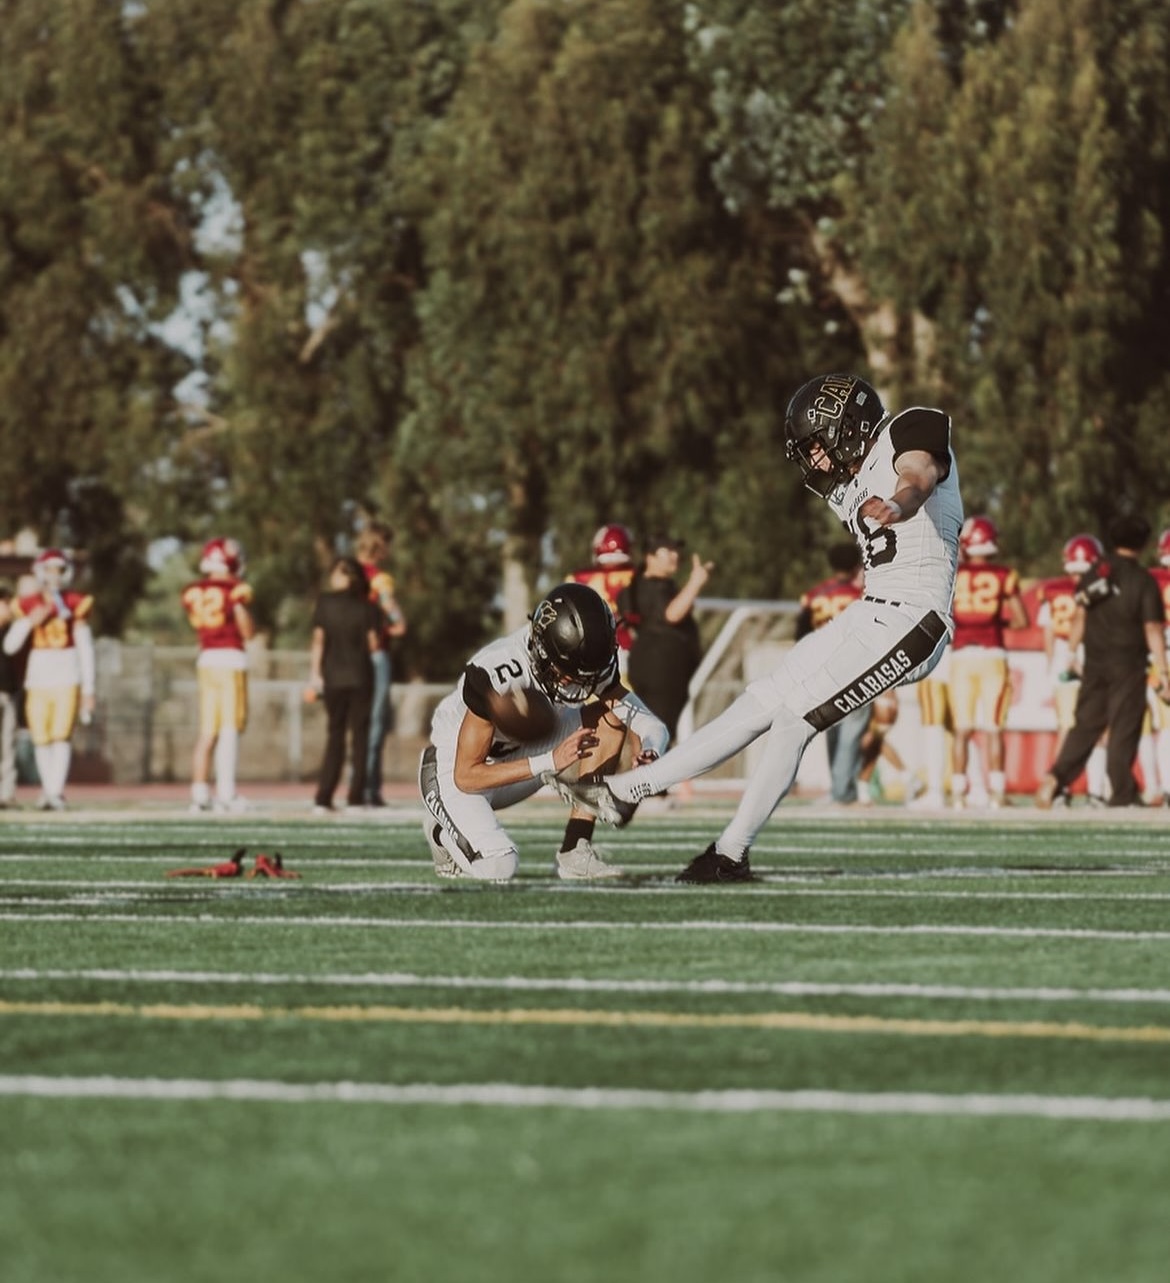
x: 923, y: 429
x: 476, y: 687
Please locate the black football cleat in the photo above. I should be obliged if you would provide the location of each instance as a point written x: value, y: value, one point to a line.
x: 713, y: 867
x: 595, y: 796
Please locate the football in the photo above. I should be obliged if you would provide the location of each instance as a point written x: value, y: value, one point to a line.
x: 522, y: 715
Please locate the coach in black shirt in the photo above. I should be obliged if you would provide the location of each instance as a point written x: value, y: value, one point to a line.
x: 1120, y: 620
x: 346, y: 627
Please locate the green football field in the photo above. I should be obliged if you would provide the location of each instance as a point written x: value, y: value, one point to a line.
x: 914, y: 1050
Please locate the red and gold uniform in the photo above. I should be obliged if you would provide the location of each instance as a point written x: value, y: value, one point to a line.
x: 381, y: 589
x: 1057, y: 609
x: 980, y: 684
x: 827, y: 600
x: 934, y: 695
x: 607, y: 582
x: 222, y: 667
x: 1158, y: 716
x: 60, y: 663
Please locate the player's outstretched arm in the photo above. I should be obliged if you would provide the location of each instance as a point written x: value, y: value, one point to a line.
x: 475, y: 774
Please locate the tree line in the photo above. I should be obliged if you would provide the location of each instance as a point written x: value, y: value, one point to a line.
x: 500, y: 271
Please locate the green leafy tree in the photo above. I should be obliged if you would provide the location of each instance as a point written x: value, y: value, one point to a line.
x: 311, y: 266
x: 1023, y: 225
x: 93, y: 241
x: 601, y: 336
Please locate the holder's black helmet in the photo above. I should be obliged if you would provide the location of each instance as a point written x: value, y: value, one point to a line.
x: 573, y: 644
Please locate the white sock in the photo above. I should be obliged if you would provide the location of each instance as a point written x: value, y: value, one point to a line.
x: 958, y: 785
x: 1148, y: 761
x: 997, y: 782
x: 1163, y: 754
x: 734, y: 729
x: 227, y: 757
x: 46, y: 762
x: 1095, y: 771
x: 200, y: 793
x: 62, y: 756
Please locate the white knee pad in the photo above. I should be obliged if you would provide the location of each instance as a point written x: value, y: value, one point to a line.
x: 496, y: 866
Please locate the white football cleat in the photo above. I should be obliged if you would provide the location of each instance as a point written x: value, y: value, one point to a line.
x: 594, y: 796
x: 236, y: 805
x: 583, y: 864
x: 445, y: 866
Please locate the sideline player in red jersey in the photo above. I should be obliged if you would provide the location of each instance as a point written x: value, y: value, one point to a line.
x: 59, y: 679
x: 987, y: 599
x: 1157, y: 780
x: 612, y: 570
x: 217, y: 607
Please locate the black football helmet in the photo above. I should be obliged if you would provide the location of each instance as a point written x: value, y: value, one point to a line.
x: 838, y: 412
x: 573, y: 644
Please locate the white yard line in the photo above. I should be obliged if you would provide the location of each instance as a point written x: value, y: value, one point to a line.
x: 516, y: 1096
x: 579, y: 984
x: 1137, y: 863
x: 350, y: 922
x: 173, y: 859
x: 98, y: 891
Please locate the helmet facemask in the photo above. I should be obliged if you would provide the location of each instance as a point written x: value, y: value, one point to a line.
x: 573, y: 645
x: 53, y: 570
x: 221, y: 557
x: 568, y: 686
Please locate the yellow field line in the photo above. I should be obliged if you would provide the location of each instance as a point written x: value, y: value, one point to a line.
x: 806, y: 1021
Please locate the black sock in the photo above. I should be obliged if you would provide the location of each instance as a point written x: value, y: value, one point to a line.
x: 575, y: 830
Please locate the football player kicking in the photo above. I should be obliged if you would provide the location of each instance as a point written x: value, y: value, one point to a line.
x: 893, y: 482
x: 567, y: 655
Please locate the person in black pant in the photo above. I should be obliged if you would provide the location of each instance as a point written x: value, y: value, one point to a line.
x: 666, y: 648
x: 1120, y: 621
x: 345, y: 635
x: 10, y: 671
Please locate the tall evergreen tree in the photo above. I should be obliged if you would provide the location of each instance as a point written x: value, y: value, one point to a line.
x: 1023, y: 222
x: 93, y: 240
x: 601, y: 334
x: 314, y: 274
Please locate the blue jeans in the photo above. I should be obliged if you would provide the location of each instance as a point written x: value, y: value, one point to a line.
x: 843, y: 740
x: 379, y: 725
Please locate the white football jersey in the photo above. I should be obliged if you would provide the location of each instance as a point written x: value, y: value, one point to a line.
x: 912, y: 563
x: 503, y: 665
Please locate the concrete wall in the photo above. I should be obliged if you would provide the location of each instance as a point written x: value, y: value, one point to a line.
x: 147, y: 719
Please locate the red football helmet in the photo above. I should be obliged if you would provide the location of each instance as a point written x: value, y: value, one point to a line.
x: 221, y: 557
x: 1081, y: 552
x: 611, y: 546
x: 979, y: 537
x: 53, y: 568
x: 1164, y: 547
